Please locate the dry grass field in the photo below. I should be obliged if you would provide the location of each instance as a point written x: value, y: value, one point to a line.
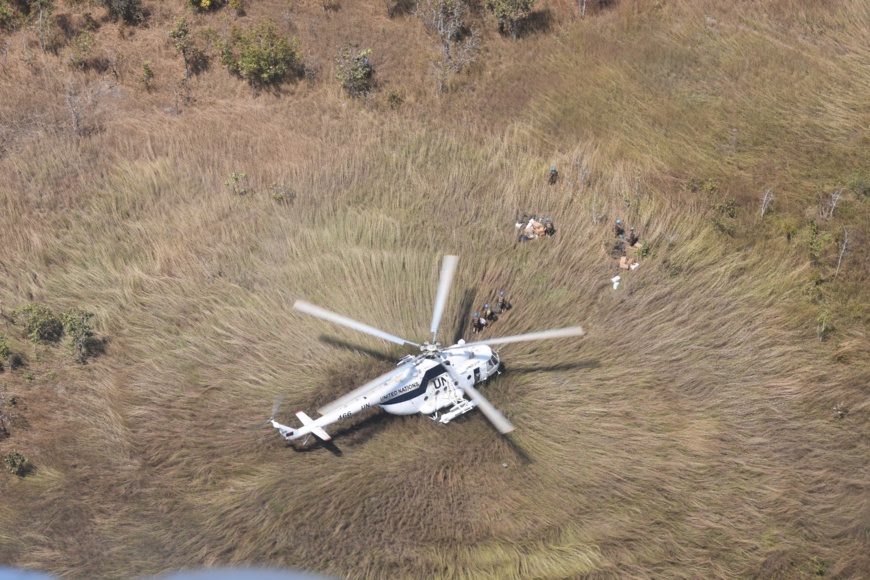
x: 690, y: 434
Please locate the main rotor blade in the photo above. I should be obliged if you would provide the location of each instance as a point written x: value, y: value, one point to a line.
x: 448, y: 269
x: 543, y: 335
x: 494, y: 415
x: 370, y: 386
x: 325, y: 314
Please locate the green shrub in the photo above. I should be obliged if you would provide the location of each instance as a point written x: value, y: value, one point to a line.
x: 513, y: 13
x: 395, y: 99
x: 238, y: 6
x: 260, y: 55
x: 707, y: 186
x: 355, y: 72
x: 16, y: 463
x: 130, y: 11
x: 195, y: 60
x: 5, y: 353
x: 238, y: 183
x: 81, y: 50
x: 282, y: 194
x: 39, y: 323
x: 860, y: 185
x: 9, y: 17
x: 147, y: 75
x: 79, y: 326
x: 728, y: 208
x: 815, y: 243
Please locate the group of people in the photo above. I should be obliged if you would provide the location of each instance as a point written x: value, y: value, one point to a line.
x: 490, y: 314
x: 531, y: 228
x: 619, y: 230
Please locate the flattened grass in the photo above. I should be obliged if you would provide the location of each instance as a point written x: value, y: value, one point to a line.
x: 689, y: 434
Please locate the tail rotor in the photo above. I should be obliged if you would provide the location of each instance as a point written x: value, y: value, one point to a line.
x: 275, y: 407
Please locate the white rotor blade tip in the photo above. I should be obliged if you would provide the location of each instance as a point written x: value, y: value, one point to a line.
x: 543, y: 335
x: 325, y: 314
x: 448, y: 269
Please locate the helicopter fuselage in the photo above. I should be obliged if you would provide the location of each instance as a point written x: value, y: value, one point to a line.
x: 427, y: 388
x: 431, y: 388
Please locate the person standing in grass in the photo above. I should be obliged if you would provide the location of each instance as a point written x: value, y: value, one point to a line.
x: 503, y: 303
x: 549, y: 228
x: 478, y: 323
x: 619, y: 230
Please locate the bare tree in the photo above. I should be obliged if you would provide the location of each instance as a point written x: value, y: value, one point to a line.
x: 827, y: 206
x: 78, y: 101
x: 459, y: 43
x: 766, y: 199
x: 843, y: 246
x: 115, y: 59
x: 43, y: 8
x: 597, y: 215
x: 582, y: 5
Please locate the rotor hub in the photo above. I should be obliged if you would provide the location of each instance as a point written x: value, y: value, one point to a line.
x: 430, y: 349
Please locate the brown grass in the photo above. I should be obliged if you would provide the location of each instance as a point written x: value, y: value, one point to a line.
x: 690, y: 434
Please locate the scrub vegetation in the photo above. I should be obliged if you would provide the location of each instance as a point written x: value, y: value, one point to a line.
x: 711, y: 424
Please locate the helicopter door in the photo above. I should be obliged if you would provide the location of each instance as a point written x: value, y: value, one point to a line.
x: 477, y: 375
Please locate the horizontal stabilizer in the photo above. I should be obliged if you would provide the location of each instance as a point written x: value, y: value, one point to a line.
x: 309, y: 423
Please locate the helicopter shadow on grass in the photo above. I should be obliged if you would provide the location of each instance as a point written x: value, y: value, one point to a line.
x: 356, y: 348
x: 464, y: 313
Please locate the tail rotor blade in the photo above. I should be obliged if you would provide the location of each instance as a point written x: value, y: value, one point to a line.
x: 448, y: 269
x: 325, y: 314
x: 277, y: 405
x: 543, y: 335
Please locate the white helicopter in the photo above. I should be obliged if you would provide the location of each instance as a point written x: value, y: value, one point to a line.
x: 438, y: 382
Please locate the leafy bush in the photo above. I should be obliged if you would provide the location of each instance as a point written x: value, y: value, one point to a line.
x: 81, y: 50
x: 260, y: 56
x: 16, y: 463
x: 147, y: 75
x: 130, y: 11
x: 79, y: 326
x: 202, y: 5
x: 514, y: 13
x: 727, y: 208
x: 39, y: 323
x: 860, y: 185
x: 282, y: 194
x: 9, y: 17
x: 355, y: 72
x: 707, y: 186
x: 5, y: 354
x: 7, y: 412
x: 238, y: 183
x: 395, y: 99
x: 195, y: 60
